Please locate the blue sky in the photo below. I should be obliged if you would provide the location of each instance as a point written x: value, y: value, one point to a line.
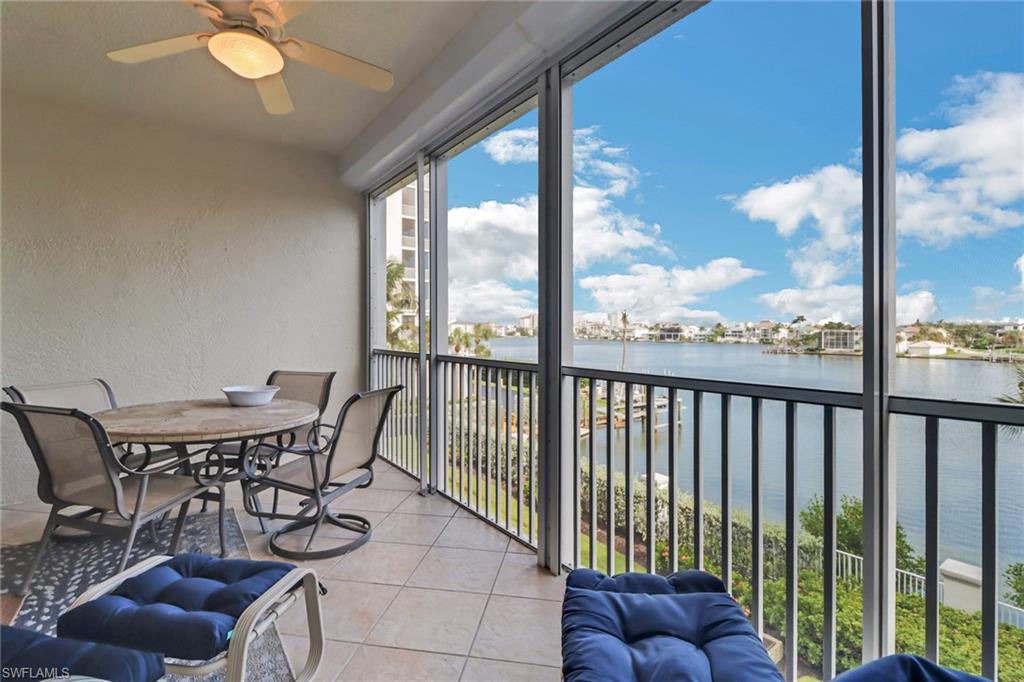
x: 718, y: 171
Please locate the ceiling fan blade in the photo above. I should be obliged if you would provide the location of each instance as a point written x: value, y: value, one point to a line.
x: 206, y: 9
x: 277, y: 13
x: 159, y: 48
x: 350, y: 68
x: 274, y: 94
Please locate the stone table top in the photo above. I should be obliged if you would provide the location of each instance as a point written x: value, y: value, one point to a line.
x: 203, y: 421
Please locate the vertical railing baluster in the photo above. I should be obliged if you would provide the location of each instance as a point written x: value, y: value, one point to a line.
x: 651, y: 475
x: 931, y: 542
x: 989, y: 554
x: 499, y: 416
x: 756, y: 529
x: 519, y: 453
x: 577, y: 493
x: 446, y: 390
x: 508, y: 448
x: 476, y: 422
x: 628, y: 471
x: 828, y: 663
x: 726, y: 529
x: 673, y: 486
x: 407, y: 425
x: 591, y: 401
x: 533, y: 459
x: 698, y: 483
x: 792, y: 546
x: 466, y: 436
x: 487, y: 442
x: 609, y: 419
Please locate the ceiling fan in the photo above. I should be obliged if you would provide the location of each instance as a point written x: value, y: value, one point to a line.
x: 250, y: 41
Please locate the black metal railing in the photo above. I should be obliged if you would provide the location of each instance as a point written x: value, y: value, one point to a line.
x: 489, y: 445
x: 400, y: 441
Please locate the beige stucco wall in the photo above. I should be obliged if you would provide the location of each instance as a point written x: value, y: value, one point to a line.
x: 168, y: 261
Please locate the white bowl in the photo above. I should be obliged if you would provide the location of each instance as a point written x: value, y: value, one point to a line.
x: 250, y: 396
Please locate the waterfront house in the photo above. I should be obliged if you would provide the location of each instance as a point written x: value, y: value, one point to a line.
x: 927, y: 349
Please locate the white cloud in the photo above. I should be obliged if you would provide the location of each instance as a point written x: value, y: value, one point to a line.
x: 955, y: 182
x: 843, y: 303
x: 1018, y: 265
x: 489, y: 300
x: 657, y: 294
x: 517, y: 145
x: 497, y: 241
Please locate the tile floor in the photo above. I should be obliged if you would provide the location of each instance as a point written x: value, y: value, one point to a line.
x: 437, y: 594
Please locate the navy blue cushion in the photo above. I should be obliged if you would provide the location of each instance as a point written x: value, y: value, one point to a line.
x: 184, y: 608
x: 905, y: 668
x: 645, y: 627
x: 25, y: 654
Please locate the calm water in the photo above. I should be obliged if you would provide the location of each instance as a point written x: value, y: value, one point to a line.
x: 960, y: 443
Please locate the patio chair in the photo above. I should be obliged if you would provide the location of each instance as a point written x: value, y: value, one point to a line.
x: 327, y: 467
x: 199, y: 613
x: 89, y: 396
x: 309, y: 387
x: 78, y: 467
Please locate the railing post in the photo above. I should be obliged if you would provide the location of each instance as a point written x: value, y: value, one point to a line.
x: 879, y: 182
x: 555, y: 336
x: 438, y: 314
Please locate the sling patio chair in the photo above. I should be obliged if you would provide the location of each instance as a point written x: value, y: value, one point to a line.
x: 79, y: 468
x: 325, y: 468
x: 309, y: 387
x: 89, y: 396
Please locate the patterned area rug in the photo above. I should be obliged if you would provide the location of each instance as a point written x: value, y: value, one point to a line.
x: 71, y: 565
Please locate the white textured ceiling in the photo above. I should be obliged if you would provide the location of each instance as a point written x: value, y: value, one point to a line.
x: 57, y: 50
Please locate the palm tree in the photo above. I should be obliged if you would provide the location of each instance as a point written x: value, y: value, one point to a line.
x: 401, y: 297
x: 471, y: 342
x: 1016, y: 397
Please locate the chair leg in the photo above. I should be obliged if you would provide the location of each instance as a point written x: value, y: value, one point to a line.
x: 152, y: 530
x: 179, y: 525
x: 51, y: 524
x: 133, y: 529
x: 316, y: 529
x: 256, y: 505
x: 221, y: 528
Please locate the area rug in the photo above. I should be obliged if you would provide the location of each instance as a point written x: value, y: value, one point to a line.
x: 70, y: 566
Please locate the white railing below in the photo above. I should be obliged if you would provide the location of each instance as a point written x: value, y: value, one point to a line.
x: 851, y: 566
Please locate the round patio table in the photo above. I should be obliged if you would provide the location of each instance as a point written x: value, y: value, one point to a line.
x: 194, y: 422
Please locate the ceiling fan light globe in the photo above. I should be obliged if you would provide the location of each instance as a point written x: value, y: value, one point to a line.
x: 247, y: 54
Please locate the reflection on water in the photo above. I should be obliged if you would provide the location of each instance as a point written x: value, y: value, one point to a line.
x: 959, y: 452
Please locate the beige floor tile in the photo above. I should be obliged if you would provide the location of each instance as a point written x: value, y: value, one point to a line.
x: 336, y: 655
x: 379, y: 562
x: 394, y: 480
x: 452, y: 568
x: 520, y: 576
x: 427, y: 504
x: 520, y: 630
x: 21, y: 527
x: 370, y: 499
x: 415, y: 529
x: 430, y: 620
x: 516, y: 547
x: 349, y: 610
x: 34, y: 505
x: 371, y: 663
x: 472, y: 534
x: 482, y: 670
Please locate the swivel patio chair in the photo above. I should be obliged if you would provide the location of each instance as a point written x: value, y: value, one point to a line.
x: 78, y: 467
x: 326, y: 468
x: 309, y: 387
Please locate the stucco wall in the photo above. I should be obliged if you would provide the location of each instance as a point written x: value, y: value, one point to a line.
x: 168, y: 261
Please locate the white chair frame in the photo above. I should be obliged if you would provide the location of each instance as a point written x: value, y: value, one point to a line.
x: 253, y: 622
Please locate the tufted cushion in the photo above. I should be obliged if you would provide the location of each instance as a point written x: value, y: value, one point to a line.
x: 905, y: 668
x: 645, y: 627
x: 32, y: 655
x: 184, y: 608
